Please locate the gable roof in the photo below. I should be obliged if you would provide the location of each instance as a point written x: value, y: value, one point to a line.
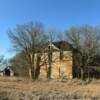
x: 63, y: 45
x: 3, y: 67
x: 54, y: 47
x: 58, y: 45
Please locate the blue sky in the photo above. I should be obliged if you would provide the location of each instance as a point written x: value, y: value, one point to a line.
x: 59, y: 14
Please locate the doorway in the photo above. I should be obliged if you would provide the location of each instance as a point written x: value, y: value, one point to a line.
x: 7, y: 72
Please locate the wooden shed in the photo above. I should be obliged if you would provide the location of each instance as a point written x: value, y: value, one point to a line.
x: 6, y: 71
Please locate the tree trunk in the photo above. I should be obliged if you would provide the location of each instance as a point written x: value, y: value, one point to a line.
x: 31, y: 67
x: 37, y: 70
x: 59, y: 72
x: 82, y: 74
x: 49, y: 70
x: 88, y: 75
x: 29, y: 59
x: 30, y: 73
x: 50, y: 64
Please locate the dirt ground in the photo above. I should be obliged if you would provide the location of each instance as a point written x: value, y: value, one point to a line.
x: 12, y: 88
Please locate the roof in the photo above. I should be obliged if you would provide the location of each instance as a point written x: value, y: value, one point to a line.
x: 63, y: 45
x: 3, y: 67
x: 58, y: 45
x: 53, y: 47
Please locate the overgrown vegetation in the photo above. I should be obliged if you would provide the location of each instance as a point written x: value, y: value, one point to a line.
x: 86, y: 42
x: 31, y: 38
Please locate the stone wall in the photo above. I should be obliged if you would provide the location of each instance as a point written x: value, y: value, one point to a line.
x: 59, y: 67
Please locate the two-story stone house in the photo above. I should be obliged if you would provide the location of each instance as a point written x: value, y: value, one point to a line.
x: 61, y: 64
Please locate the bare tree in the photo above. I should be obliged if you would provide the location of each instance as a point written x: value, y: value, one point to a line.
x: 86, y: 39
x: 51, y: 39
x: 20, y: 65
x: 29, y: 39
x: 53, y: 36
x: 1, y: 59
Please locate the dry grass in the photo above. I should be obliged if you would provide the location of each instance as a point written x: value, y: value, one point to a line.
x: 25, y: 89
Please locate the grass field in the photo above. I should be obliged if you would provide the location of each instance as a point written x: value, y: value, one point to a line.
x: 12, y: 88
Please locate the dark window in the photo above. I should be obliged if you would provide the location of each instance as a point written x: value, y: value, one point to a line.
x: 7, y: 72
x: 49, y: 47
x: 61, y: 71
x: 61, y: 55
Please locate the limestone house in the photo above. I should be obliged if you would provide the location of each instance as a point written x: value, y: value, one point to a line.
x: 6, y: 71
x: 61, y: 65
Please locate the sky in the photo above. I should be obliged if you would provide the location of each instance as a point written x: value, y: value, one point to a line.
x: 58, y: 14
